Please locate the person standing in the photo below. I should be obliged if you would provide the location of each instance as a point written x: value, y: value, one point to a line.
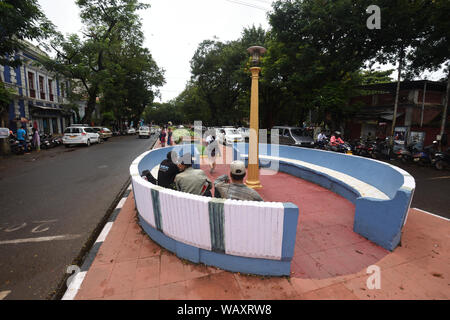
x: 22, y: 137
x: 36, y: 139
x: 212, y: 147
x: 169, y: 136
x: 162, y: 137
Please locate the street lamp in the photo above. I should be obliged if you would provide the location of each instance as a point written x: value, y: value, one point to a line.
x: 253, y: 158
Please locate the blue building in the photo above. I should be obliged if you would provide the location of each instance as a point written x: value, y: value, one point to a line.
x: 39, y: 95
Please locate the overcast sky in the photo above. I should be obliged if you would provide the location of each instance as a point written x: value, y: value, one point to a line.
x: 174, y: 28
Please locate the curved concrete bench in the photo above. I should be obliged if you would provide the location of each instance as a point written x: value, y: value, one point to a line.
x: 240, y: 236
x: 382, y: 193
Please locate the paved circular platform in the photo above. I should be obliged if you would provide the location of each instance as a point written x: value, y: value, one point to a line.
x: 326, y: 245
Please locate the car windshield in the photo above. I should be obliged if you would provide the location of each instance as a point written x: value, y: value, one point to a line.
x: 72, y: 130
x: 97, y: 129
x: 299, y: 132
x: 231, y: 131
x: 144, y: 128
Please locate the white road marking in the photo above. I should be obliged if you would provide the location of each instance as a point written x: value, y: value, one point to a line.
x: 431, y: 214
x: 41, y: 239
x: 104, y: 232
x: 121, y: 203
x: 11, y: 229
x: 3, y: 294
x: 74, y: 286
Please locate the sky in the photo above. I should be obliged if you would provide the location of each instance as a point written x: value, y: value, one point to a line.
x: 174, y: 28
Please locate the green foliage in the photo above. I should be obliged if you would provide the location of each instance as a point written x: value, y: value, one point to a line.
x: 109, y: 61
x: 20, y: 20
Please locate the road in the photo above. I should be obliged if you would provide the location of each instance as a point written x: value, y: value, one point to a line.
x: 432, y: 192
x: 51, y: 202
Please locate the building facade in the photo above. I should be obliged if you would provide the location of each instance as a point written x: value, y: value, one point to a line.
x: 39, y: 95
x: 419, y: 112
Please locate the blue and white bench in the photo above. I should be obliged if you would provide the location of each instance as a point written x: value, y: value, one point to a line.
x: 241, y: 236
x: 382, y: 193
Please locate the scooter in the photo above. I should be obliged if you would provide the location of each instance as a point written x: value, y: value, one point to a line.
x: 16, y: 147
x: 441, y: 160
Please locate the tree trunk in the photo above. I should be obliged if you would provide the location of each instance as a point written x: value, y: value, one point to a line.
x: 92, y: 102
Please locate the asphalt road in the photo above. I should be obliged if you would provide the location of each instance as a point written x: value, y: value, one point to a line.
x: 56, y: 197
x: 432, y: 192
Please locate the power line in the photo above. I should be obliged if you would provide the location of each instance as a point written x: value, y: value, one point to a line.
x: 247, y: 4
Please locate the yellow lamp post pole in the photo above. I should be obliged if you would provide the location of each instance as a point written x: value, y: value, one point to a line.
x: 253, y: 155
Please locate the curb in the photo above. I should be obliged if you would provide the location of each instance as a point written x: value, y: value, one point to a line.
x: 78, y: 279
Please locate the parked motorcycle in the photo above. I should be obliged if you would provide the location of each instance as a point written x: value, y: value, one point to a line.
x: 441, y: 160
x: 15, y: 146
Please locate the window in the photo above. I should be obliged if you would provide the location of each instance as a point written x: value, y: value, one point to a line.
x: 41, y: 87
x: 62, y: 90
x: 50, y: 89
x: 31, y: 84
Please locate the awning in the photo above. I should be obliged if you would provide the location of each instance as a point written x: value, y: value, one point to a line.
x: 48, y: 111
x: 391, y: 116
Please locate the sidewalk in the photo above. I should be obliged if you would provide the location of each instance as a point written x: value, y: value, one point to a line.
x: 330, y: 261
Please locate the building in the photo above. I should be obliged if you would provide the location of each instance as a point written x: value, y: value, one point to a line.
x: 419, y: 111
x: 40, y: 96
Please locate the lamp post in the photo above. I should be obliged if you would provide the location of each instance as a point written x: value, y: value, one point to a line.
x: 253, y: 157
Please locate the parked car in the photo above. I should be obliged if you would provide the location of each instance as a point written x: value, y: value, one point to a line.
x: 104, y: 133
x: 295, y: 136
x: 80, y: 135
x: 131, y: 130
x: 229, y: 136
x: 144, y: 131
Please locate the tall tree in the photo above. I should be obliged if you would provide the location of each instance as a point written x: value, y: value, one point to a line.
x: 403, y: 23
x: 107, y: 24
x: 432, y: 51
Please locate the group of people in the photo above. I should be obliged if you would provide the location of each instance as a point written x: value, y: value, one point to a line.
x: 162, y: 137
x: 22, y: 136
x: 335, y: 138
x: 177, y: 173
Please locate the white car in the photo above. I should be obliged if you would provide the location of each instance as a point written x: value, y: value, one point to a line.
x: 144, y: 131
x: 131, y: 131
x: 230, y: 136
x: 80, y: 135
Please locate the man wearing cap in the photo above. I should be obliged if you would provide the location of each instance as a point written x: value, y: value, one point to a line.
x: 236, y: 190
x: 192, y: 180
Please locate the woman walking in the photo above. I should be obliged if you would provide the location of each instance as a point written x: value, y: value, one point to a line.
x: 36, y: 140
x: 162, y: 137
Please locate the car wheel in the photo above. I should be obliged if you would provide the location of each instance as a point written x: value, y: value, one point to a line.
x: 88, y: 143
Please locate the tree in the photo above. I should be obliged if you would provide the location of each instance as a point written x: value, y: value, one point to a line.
x: 316, y: 47
x: 20, y: 20
x: 108, y: 24
x: 432, y: 51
